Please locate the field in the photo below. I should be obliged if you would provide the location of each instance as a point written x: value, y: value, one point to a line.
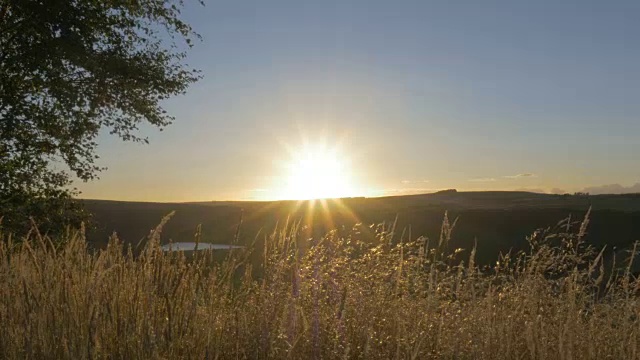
x: 358, y: 291
x: 497, y: 221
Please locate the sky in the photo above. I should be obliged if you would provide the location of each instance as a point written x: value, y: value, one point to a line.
x: 414, y: 96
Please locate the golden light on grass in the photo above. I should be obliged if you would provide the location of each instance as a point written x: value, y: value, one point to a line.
x: 345, y: 294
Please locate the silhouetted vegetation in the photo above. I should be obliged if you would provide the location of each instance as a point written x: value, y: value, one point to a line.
x: 69, y: 69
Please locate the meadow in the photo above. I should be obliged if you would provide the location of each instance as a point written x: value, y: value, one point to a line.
x: 335, y: 296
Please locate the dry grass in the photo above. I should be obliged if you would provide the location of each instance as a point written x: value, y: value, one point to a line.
x: 339, y: 298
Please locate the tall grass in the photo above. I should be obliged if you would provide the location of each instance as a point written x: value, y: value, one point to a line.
x: 339, y: 298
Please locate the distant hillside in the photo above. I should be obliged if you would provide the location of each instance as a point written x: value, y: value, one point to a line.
x: 498, y: 220
x: 452, y: 199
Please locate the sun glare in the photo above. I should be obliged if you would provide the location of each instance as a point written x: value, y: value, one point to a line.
x: 317, y: 173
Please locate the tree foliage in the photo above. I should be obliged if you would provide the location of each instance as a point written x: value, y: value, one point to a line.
x: 68, y: 70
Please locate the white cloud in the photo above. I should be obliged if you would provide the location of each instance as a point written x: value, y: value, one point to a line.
x: 415, y: 181
x: 523, y: 175
x: 406, y: 191
x: 483, y: 179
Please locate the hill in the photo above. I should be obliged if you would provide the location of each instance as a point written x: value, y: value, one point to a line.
x: 499, y: 221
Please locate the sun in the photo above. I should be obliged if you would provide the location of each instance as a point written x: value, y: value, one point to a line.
x: 317, y: 172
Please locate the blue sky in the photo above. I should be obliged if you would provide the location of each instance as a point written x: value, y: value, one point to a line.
x: 418, y: 95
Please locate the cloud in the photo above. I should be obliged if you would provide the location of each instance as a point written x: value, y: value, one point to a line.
x: 406, y: 191
x: 523, y: 175
x: 613, y: 189
x: 483, y: 179
x: 415, y: 181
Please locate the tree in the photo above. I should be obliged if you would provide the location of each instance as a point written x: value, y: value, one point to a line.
x: 69, y: 69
